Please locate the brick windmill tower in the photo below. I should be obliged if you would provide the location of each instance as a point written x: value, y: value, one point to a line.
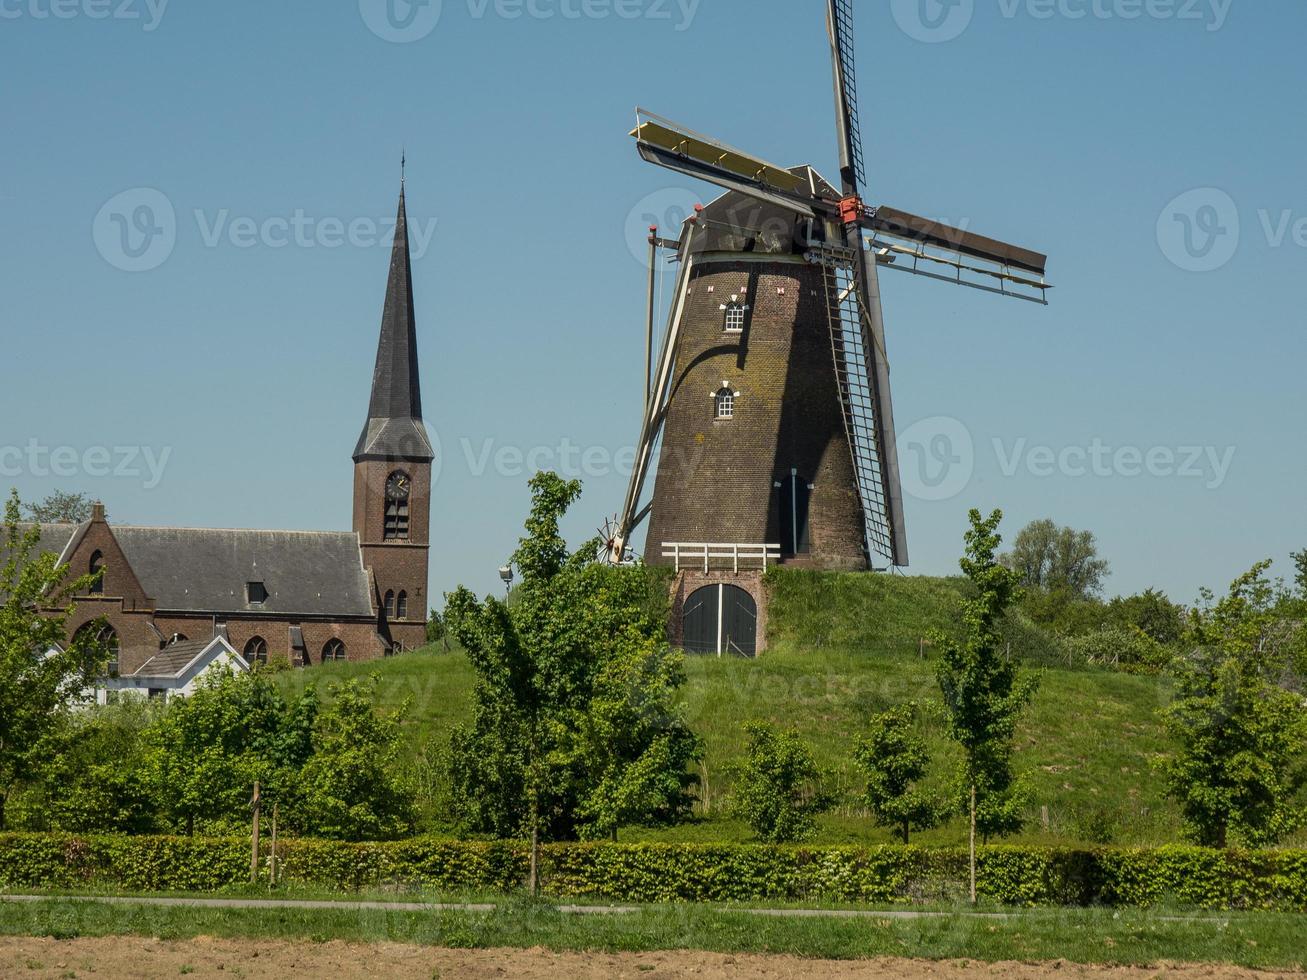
x: 770, y: 399
x: 392, y: 462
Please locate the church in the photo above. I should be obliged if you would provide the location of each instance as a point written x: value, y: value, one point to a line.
x: 305, y: 596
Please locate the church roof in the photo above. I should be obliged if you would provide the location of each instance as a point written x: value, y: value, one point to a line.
x: 54, y: 538
x: 394, y: 429
x: 307, y: 573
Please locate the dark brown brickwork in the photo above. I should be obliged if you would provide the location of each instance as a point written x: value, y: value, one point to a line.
x: 396, y: 565
x: 141, y: 628
x: 118, y: 580
x: 716, y: 479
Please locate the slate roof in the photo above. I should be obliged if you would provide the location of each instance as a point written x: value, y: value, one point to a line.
x: 172, y: 661
x: 54, y: 538
x: 394, y: 429
x: 309, y: 573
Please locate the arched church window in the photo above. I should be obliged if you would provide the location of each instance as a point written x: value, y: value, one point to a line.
x: 105, y: 638
x: 398, y: 489
x: 401, y: 606
x: 333, y: 650
x: 256, y: 651
x: 96, y: 568
x: 390, y: 605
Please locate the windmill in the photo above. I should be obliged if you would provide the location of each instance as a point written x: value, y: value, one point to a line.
x: 777, y: 317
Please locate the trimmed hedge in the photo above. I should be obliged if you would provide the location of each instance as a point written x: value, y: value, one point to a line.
x: 1188, y: 876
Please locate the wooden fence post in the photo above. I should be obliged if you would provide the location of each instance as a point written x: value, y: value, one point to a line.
x: 273, y: 867
x: 254, y: 837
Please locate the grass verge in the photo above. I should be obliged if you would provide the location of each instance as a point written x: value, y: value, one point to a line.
x: 1095, y: 936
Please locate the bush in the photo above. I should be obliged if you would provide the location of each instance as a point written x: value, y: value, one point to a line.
x: 1177, y: 875
x: 1126, y: 649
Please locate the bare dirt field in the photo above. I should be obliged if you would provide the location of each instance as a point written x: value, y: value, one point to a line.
x: 203, y: 957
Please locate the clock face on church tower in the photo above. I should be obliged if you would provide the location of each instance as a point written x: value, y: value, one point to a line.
x: 398, y: 487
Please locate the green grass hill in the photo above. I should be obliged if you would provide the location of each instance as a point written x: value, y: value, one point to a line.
x: 843, y: 647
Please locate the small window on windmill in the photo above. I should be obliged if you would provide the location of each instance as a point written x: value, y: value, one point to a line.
x: 256, y: 593
x: 735, y: 312
x: 725, y: 402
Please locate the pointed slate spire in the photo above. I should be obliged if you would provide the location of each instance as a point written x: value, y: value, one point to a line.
x: 394, y: 429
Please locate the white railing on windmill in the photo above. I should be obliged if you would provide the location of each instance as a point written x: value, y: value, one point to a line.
x: 710, y: 557
x: 858, y: 240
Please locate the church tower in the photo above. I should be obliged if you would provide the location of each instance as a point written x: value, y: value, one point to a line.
x: 392, y: 463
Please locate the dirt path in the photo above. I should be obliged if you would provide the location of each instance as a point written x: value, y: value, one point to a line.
x: 203, y: 958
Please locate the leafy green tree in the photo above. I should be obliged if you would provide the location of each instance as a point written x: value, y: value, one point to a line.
x: 61, y: 508
x: 1300, y: 571
x: 1063, y: 613
x: 575, y: 727
x: 353, y: 786
x: 1150, y: 612
x: 1049, y: 557
x: 36, y: 690
x: 894, y: 758
x: 636, y: 746
x: 1241, y: 737
x: 778, y: 788
x: 983, y: 691
x: 437, y: 631
x: 93, y: 777
x: 205, y: 752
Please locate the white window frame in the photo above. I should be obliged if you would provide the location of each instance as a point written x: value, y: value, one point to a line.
x: 724, y: 403
x: 732, y: 309
x: 735, y: 317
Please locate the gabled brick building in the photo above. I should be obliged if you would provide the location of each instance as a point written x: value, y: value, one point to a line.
x: 304, y: 595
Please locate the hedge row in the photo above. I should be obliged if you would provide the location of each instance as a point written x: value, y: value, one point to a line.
x: 678, y: 872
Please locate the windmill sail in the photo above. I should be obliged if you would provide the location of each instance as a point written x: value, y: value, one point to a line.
x: 861, y: 370
x: 839, y: 21
x: 847, y: 242
x: 857, y: 326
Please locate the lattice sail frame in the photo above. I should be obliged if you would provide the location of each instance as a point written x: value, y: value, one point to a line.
x: 854, y: 350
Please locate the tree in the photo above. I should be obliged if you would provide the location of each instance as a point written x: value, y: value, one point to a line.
x: 1052, y: 558
x: 636, y: 746
x: 93, y: 776
x: 1150, y: 612
x: 1300, y: 571
x: 1241, y: 737
x: 894, y: 758
x: 61, y: 508
x: 352, y: 787
x: 205, y: 752
x: 778, y: 790
x: 437, y: 631
x: 983, y: 692
x: 36, y: 689
x: 575, y: 728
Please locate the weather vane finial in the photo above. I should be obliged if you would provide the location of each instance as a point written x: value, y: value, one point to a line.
x: 403, y: 165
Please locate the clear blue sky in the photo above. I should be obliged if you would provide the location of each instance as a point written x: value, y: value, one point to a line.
x: 1072, y: 134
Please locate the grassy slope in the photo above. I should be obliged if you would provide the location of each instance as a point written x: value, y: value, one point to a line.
x: 844, y: 647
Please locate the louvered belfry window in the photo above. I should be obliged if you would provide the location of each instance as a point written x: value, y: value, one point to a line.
x: 396, y: 519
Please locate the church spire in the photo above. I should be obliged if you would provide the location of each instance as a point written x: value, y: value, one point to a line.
x: 394, y: 429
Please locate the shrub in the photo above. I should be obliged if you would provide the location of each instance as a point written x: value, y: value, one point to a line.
x: 1123, y: 648
x: 890, y: 874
